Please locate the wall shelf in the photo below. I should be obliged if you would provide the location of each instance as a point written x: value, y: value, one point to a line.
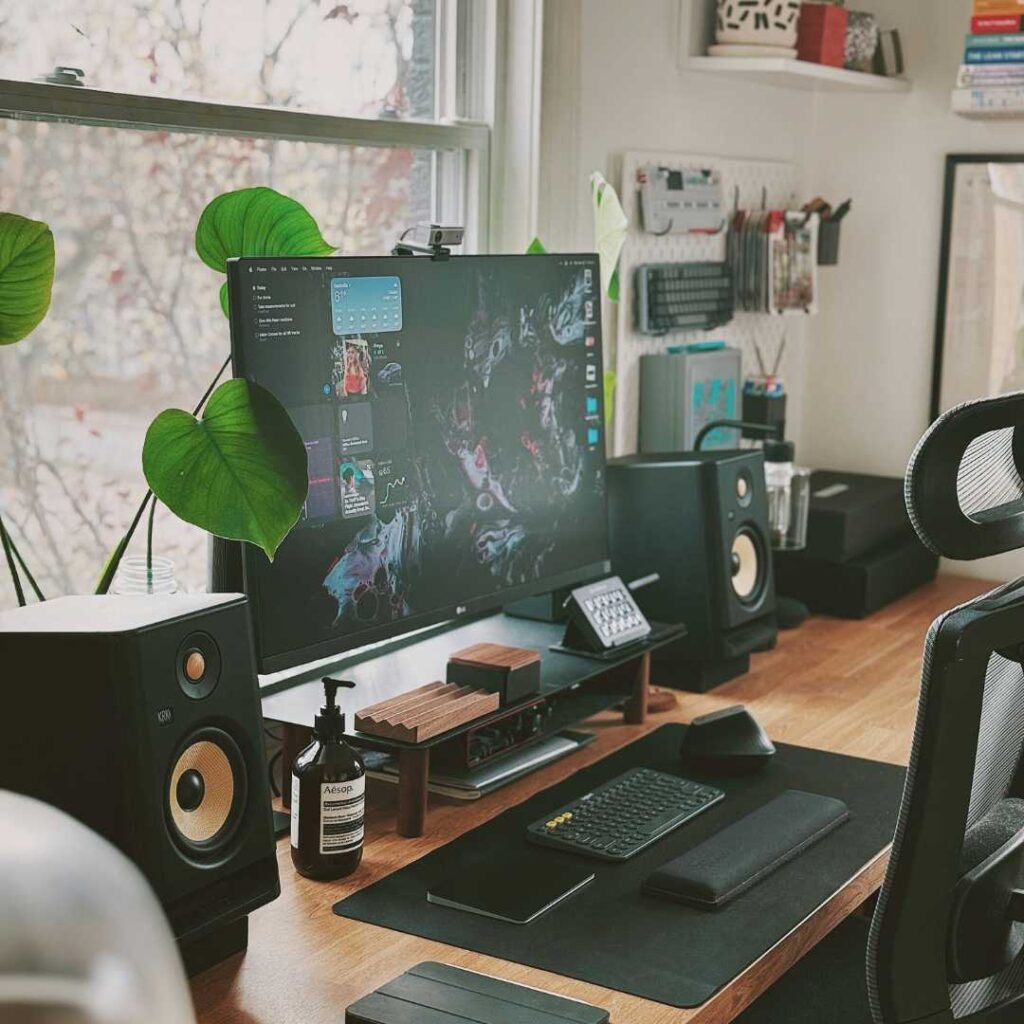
x: 991, y: 115
x: 795, y: 74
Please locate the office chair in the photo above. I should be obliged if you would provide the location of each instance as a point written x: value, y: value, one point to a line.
x: 946, y: 942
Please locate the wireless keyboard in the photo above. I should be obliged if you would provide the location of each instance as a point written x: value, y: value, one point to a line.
x: 683, y: 297
x: 619, y: 819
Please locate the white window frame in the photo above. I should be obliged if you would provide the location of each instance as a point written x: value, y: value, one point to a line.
x: 486, y: 137
x: 462, y: 145
x: 516, y: 120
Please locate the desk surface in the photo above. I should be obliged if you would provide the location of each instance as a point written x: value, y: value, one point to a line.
x: 849, y: 687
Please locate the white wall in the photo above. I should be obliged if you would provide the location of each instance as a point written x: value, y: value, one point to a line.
x: 866, y: 371
x: 871, y: 362
x: 633, y: 96
x: 612, y: 83
x: 869, y: 365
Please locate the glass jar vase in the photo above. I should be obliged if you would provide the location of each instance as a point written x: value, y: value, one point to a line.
x: 134, y: 576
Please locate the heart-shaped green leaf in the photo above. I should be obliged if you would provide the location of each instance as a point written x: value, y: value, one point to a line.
x: 256, y: 222
x: 239, y: 472
x: 26, y: 275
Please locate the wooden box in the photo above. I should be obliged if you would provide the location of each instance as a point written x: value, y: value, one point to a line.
x: 511, y: 672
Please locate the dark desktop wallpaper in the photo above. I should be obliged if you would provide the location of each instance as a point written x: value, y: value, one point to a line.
x: 453, y: 418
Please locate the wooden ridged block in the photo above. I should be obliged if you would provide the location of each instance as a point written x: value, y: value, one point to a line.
x: 425, y: 712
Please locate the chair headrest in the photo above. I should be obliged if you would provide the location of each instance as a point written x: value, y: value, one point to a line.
x: 964, y: 486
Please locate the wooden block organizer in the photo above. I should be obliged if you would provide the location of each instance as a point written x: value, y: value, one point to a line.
x: 425, y: 712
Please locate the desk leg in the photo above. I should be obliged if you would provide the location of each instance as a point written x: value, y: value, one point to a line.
x: 636, y: 705
x: 413, y: 771
x: 294, y: 739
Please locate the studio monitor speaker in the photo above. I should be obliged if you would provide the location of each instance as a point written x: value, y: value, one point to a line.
x: 700, y: 521
x: 140, y: 716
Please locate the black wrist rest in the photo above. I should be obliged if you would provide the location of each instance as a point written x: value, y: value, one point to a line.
x: 743, y: 853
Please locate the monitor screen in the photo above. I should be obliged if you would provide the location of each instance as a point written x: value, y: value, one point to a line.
x: 452, y: 412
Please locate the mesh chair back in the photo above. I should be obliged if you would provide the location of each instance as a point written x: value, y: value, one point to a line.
x: 963, y: 803
x: 965, y: 482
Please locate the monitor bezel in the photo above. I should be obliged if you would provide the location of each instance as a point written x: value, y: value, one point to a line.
x: 280, y: 661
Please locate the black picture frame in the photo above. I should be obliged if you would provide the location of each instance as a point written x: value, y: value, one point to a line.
x: 953, y: 161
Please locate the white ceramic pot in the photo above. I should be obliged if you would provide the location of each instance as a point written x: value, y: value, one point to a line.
x: 758, y: 22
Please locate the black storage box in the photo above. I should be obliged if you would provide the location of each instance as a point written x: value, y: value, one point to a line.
x: 851, y: 514
x: 855, y: 588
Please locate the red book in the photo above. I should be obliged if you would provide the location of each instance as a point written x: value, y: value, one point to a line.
x: 996, y: 24
x: 822, y: 34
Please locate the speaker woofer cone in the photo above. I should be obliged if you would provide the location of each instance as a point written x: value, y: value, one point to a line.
x: 206, y: 791
x: 747, y: 566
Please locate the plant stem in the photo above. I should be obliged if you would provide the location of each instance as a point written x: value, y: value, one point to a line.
x: 149, y: 546
x: 110, y: 570
x: 21, y: 562
x: 11, y: 565
x: 213, y: 383
x: 25, y: 569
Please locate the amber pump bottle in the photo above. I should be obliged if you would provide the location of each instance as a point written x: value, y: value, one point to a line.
x: 328, y: 798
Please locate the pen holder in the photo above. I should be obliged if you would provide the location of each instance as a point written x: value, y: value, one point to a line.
x: 828, y: 242
x: 767, y: 409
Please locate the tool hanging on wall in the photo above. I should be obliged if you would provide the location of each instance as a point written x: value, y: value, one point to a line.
x: 680, y: 201
x: 773, y: 256
x: 682, y: 297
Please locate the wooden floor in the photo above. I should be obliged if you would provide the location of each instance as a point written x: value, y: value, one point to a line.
x: 849, y: 687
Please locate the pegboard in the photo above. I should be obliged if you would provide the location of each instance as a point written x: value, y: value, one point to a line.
x: 779, y: 183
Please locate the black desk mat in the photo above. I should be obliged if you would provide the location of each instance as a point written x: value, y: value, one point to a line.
x: 613, y: 935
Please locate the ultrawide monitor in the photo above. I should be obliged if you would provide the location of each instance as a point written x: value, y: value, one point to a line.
x: 453, y: 416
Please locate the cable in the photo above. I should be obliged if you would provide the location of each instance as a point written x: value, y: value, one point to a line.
x: 274, y: 787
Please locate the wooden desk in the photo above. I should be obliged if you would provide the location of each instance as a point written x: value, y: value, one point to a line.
x: 849, y: 687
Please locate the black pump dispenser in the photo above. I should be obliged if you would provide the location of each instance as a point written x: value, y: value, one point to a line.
x: 330, y: 723
x: 328, y: 793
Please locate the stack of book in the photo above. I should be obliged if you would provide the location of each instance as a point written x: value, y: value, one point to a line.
x: 991, y: 78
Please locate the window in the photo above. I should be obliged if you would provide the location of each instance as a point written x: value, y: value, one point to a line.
x: 345, y: 106
x: 366, y: 58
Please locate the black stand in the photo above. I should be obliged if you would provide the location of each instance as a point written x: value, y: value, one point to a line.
x: 215, y: 946
x: 549, y: 607
x: 574, y: 641
x: 435, y: 250
x: 790, y: 612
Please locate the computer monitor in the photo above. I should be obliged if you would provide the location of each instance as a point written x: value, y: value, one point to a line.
x: 453, y: 416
